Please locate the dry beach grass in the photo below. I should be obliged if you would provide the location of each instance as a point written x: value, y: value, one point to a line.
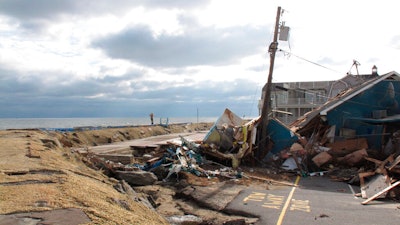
x: 39, y: 172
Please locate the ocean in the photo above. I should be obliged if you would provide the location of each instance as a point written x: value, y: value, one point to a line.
x: 74, y: 123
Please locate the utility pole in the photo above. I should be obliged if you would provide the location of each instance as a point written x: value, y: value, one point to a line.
x: 266, y: 107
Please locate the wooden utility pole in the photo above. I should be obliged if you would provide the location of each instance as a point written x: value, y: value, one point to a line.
x: 266, y: 107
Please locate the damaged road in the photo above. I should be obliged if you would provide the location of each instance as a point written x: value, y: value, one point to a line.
x: 316, y: 200
x: 202, y: 169
x: 172, y: 178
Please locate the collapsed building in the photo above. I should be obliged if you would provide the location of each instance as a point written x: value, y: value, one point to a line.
x: 368, y: 112
x: 353, y: 137
x: 291, y: 100
x: 358, y: 128
x: 232, y: 138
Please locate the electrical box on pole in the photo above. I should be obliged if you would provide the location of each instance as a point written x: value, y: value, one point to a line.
x: 284, y: 33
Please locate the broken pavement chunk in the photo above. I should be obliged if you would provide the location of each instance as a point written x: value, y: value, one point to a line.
x: 216, y: 196
x: 137, y: 178
x: 321, y: 158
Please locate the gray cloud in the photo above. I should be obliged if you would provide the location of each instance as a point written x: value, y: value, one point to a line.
x: 55, y: 9
x: 198, y: 46
x: 30, y: 96
x: 37, y: 9
x: 35, y: 16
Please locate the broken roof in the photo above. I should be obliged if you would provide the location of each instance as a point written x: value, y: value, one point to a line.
x: 342, y: 97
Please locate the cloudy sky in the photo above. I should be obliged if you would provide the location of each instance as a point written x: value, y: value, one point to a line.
x: 127, y: 58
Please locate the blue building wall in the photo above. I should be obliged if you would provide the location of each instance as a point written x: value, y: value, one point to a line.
x: 281, y: 136
x: 353, y: 113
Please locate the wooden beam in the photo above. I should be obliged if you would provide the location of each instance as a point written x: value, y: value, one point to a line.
x: 397, y: 161
x: 270, y: 180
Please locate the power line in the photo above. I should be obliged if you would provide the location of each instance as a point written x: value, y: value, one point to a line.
x: 302, y: 58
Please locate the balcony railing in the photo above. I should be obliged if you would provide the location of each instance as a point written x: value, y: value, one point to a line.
x: 299, y: 102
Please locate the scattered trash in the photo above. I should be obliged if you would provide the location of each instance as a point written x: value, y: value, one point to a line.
x: 311, y: 147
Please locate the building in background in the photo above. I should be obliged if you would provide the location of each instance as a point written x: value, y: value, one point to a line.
x: 290, y: 100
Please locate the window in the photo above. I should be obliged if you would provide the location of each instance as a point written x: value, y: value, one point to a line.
x: 310, y: 97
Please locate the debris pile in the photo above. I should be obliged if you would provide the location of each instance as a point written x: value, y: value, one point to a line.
x: 231, y: 138
x: 231, y: 142
x: 350, y: 160
x: 168, y: 161
x: 354, y: 137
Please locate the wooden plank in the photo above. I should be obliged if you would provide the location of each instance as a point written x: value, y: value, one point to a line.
x: 353, y: 158
x: 270, y: 180
x: 296, y: 160
x: 397, y: 161
x: 380, y: 193
x: 376, y: 161
x: 321, y: 158
x: 344, y: 147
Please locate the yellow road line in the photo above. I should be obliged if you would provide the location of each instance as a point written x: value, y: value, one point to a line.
x: 285, y: 207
